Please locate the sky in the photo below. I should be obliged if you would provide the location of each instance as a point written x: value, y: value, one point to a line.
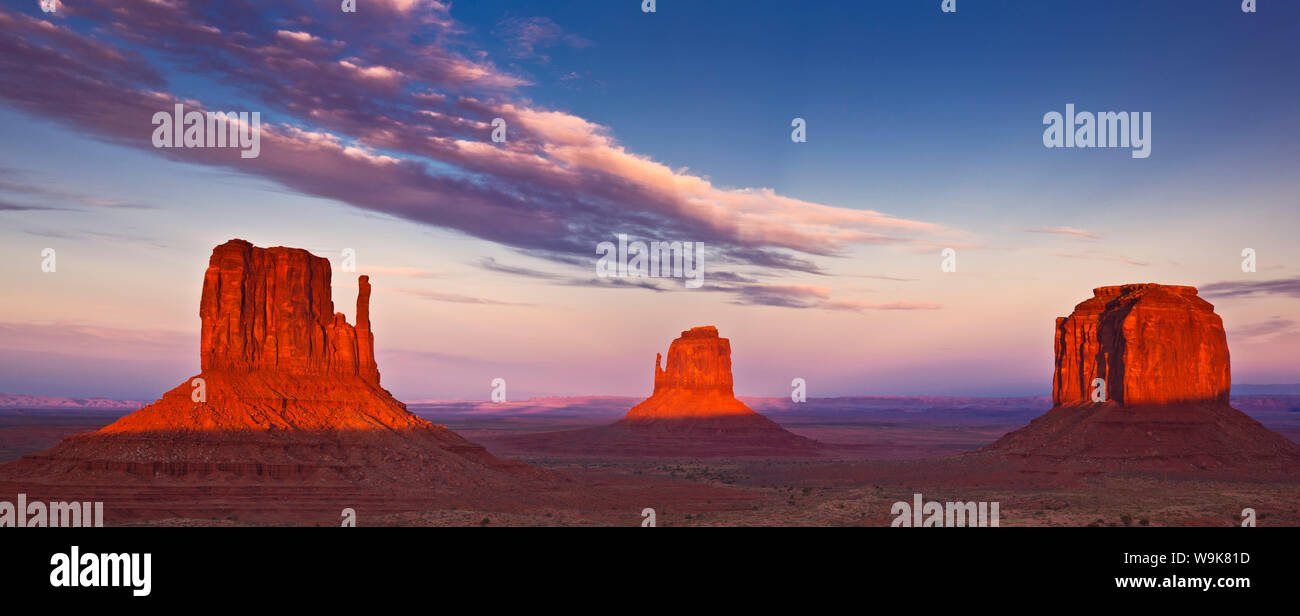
x: 823, y: 258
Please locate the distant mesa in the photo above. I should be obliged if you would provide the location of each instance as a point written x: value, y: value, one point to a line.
x: 1162, y: 357
x: 269, y: 310
x: 289, y: 390
x: 25, y: 401
x: 692, y: 412
x: 1150, y: 343
x: 697, y: 381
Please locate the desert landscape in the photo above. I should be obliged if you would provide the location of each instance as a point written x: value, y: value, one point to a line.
x: 449, y: 265
x: 287, y: 424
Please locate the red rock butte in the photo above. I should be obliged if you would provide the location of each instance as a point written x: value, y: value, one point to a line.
x: 696, y: 382
x: 269, y: 309
x: 1150, y: 343
x: 693, y: 410
x: 1163, y: 355
x: 288, y: 389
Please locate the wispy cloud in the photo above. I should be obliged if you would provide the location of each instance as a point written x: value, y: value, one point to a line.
x: 1289, y: 287
x: 352, y: 103
x: 94, y: 340
x: 1064, y: 231
x: 526, y: 36
x: 1264, y: 330
x: 394, y: 272
x: 616, y: 283
x: 22, y: 207
x: 454, y: 298
x: 1099, y: 255
x: 20, y: 183
x: 811, y: 296
x: 881, y: 277
x: 104, y: 236
x: 491, y: 264
x: 859, y: 306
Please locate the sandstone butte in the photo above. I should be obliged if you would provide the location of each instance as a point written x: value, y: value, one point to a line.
x: 1163, y: 355
x: 696, y: 382
x: 291, y: 390
x: 1150, y: 343
x: 693, y: 410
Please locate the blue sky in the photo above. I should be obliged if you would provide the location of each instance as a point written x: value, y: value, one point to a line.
x: 924, y: 131
x: 897, y: 93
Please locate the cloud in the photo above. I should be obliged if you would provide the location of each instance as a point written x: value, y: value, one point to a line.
x: 859, y: 306
x: 395, y: 272
x: 1289, y: 287
x: 810, y: 296
x: 383, y: 110
x: 729, y: 277
x: 93, y: 340
x: 490, y: 263
x: 615, y: 283
x: 524, y: 36
x: 12, y: 181
x: 6, y: 206
x: 454, y: 298
x: 1099, y: 255
x: 107, y: 236
x: 1264, y: 330
x: 1064, y: 231
x: 881, y: 277
x: 783, y: 295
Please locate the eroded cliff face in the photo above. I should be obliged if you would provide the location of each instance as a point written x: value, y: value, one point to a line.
x: 696, y: 382
x: 1163, y: 355
x: 289, y: 390
x: 270, y: 310
x: 698, y: 361
x: 1151, y: 343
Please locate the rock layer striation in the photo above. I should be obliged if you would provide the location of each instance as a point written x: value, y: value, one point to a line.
x: 1163, y: 355
x: 1150, y: 343
x: 288, y: 390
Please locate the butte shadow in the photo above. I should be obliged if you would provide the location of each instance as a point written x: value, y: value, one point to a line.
x: 1162, y: 354
x: 288, y: 396
x: 692, y: 412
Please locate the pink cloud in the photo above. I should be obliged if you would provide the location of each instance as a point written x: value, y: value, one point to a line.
x: 339, y: 121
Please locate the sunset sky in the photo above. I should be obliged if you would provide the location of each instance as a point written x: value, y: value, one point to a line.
x: 924, y: 132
